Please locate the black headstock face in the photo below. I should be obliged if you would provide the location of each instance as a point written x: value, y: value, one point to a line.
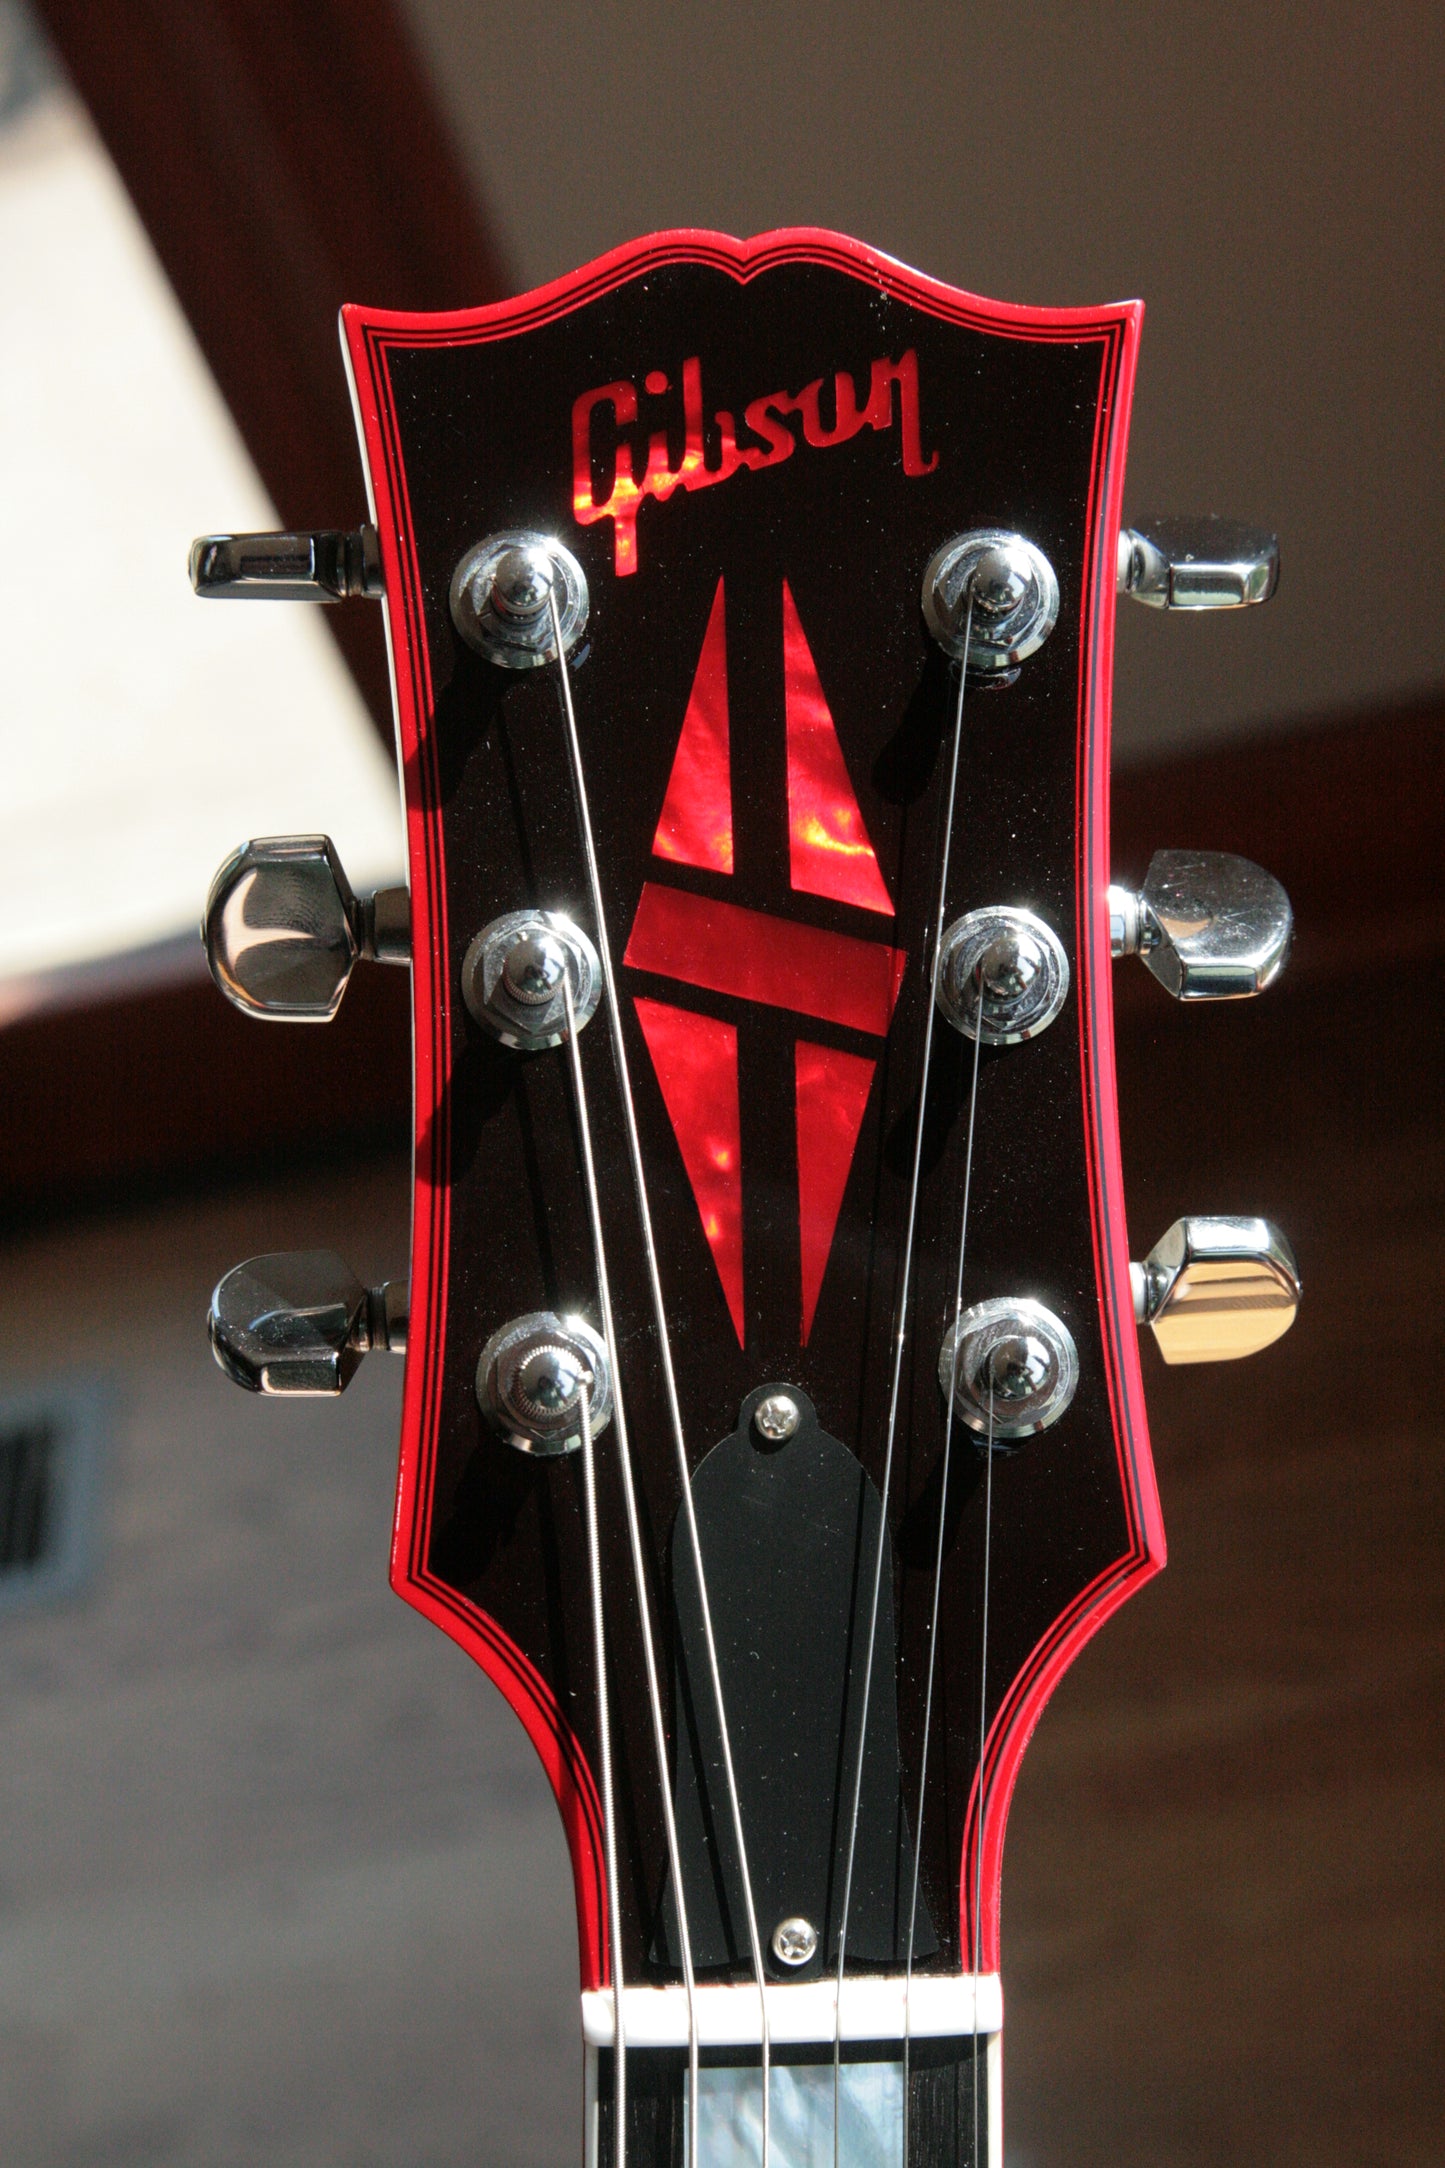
x: 754, y: 452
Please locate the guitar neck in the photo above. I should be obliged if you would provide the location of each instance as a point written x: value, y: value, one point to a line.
x: 914, y: 2070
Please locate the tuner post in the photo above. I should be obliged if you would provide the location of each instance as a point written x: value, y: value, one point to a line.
x: 1003, y: 974
x: 1212, y: 1290
x: 299, y: 1322
x: 284, y: 930
x: 530, y: 1382
x: 1009, y: 1368
x: 501, y: 598
x: 1208, y: 925
x: 998, y: 591
x: 513, y: 978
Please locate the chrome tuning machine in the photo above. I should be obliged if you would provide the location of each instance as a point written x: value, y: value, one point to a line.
x: 513, y: 974
x: 1197, y: 564
x: 1009, y: 1368
x: 999, y: 586
x: 319, y: 565
x: 1003, y: 973
x: 283, y: 930
x: 300, y: 1322
x: 1208, y: 925
x: 1212, y: 1290
x: 502, y: 593
x: 531, y: 1379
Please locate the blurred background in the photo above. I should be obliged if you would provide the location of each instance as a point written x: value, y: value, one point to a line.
x: 279, y: 1881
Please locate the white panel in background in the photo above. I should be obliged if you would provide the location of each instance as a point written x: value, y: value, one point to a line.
x: 142, y: 733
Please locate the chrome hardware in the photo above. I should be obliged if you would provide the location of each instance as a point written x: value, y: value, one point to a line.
x: 1216, y: 1289
x: 794, y: 1941
x: 1018, y: 1353
x: 530, y: 1380
x: 533, y: 969
x: 1198, y: 564
x: 776, y: 1419
x: 324, y: 566
x: 512, y: 978
x: 283, y: 930
x: 1129, y: 935
x: 300, y: 1322
x: 1025, y: 974
x: 1210, y: 926
x: 500, y: 598
x: 1015, y: 598
x: 386, y: 926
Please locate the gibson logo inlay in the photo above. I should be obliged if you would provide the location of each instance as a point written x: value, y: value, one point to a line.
x: 768, y: 418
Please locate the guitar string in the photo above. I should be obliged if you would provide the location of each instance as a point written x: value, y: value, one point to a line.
x: 948, y: 1423
x: 659, y: 1309
x: 609, y: 1797
x: 639, y: 1575
x: 982, y: 1745
x: 899, y: 1339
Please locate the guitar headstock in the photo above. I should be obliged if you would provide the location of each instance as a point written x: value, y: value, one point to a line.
x: 773, y: 1427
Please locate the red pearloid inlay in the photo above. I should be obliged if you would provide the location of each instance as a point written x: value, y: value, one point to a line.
x: 731, y: 950
x: 832, y: 1090
x: 831, y: 853
x: 696, y: 1059
x: 696, y: 828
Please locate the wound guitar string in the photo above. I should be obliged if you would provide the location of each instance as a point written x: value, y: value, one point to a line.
x: 649, y: 1651
x: 900, y: 1334
x: 982, y: 1734
x: 664, y: 1347
x: 604, y: 1735
x: 948, y: 1423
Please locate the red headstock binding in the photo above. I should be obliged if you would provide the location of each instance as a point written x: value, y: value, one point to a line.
x: 754, y: 448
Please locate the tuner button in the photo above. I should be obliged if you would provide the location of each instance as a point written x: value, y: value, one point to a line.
x: 1210, y: 926
x: 322, y: 565
x: 1216, y: 1289
x: 283, y: 930
x: 1197, y: 564
x: 300, y: 1322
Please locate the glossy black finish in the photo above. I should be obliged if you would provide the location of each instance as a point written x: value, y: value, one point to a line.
x: 482, y: 432
x: 789, y: 1536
